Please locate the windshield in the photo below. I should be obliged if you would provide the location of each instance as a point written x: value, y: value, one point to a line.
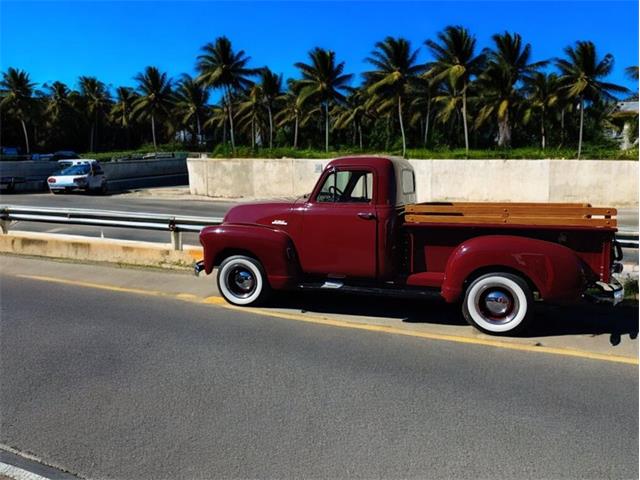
x: 81, y: 169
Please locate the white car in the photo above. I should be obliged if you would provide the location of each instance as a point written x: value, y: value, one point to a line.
x: 85, y: 175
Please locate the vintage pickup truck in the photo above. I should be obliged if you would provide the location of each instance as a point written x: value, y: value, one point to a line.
x: 361, y: 230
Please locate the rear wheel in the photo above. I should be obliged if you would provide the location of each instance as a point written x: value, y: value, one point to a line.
x: 242, y: 281
x: 498, y: 303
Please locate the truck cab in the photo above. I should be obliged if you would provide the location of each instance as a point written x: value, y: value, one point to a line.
x: 360, y: 230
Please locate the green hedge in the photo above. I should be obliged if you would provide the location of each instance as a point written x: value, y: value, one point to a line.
x: 596, y: 153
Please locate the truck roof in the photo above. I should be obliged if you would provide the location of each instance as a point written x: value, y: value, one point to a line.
x: 404, y: 183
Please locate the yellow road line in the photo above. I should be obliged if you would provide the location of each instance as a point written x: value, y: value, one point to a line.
x: 319, y: 320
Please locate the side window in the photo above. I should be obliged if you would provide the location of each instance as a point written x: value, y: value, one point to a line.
x: 408, y: 182
x: 347, y: 186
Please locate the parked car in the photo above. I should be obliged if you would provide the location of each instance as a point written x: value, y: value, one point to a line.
x: 361, y: 230
x: 64, y: 155
x: 10, y: 151
x: 85, y: 175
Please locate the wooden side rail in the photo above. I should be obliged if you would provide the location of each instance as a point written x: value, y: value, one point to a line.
x: 535, y: 214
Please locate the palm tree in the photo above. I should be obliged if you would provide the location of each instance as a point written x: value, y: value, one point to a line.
x: 397, y: 69
x: 250, y: 111
x: 455, y: 59
x: 291, y: 110
x: 423, y: 95
x: 16, y: 94
x: 57, y: 101
x: 122, y: 111
x: 543, y: 94
x: 633, y: 72
x: 95, y: 98
x: 191, y: 101
x: 581, y: 72
x: 508, y: 66
x: 220, y: 67
x: 156, y: 97
x: 323, y: 81
x: 448, y: 101
x: 271, y: 86
x: 354, y: 113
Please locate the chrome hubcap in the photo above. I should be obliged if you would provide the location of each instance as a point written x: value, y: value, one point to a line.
x: 240, y: 281
x: 497, y: 304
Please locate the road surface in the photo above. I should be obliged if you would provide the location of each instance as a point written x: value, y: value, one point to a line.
x: 116, y: 384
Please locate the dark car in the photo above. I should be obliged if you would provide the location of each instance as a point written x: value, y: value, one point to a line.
x: 64, y: 155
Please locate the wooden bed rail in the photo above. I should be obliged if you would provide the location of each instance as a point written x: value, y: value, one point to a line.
x: 535, y: 214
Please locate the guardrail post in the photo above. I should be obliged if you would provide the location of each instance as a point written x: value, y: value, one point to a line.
x: 176, y: 239
x: 4, y: 226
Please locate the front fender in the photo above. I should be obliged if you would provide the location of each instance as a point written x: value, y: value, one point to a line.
x: 555, y: 270
x: 273, y: 248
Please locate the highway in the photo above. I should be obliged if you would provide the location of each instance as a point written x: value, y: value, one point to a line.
x: 109, y: 382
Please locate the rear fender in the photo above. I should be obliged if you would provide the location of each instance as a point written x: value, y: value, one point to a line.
x: 552, y: 269
x: 273, y: 248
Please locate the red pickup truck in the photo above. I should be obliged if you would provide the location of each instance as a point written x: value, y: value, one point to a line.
x: 361, y: 230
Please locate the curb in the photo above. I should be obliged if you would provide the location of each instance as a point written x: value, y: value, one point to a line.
x: 76, y: 247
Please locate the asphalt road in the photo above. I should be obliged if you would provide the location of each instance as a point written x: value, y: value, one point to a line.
x: 118, y: 385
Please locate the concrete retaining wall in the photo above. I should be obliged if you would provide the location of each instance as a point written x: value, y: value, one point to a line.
x: 36, y: 172
x: 98, y: 249
x: 599, y: 182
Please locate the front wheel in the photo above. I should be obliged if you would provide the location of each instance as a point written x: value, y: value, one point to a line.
x: 498, y: 303
x: 242, y: 281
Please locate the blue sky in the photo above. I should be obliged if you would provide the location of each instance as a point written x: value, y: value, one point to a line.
x: 114, y: 40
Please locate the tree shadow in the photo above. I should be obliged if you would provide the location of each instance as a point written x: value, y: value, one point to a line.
x: 550, y: 320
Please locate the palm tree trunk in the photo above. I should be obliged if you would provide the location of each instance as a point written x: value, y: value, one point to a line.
x: 253, y: 132
x: 91, y: 137
x: 295, y: 134
x: 426, y: 128
x: 542, y: 128
x: 26, y: 135
x: 581, y: 124
x: 326, y: 127
x: 562, y: 127
x: 404, y: 140
x: 224, y: 133
x: 153, y: 133
x: 464, y: 118
x: 199, y: 130
x: 504, y: 131
x: 270, y: 127
x: 233, y: 141
x: 360, y: 134
x: 386, y: 143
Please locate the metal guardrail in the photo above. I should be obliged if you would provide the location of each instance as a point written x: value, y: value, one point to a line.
x: 175, y: 224
x: 627, y: 239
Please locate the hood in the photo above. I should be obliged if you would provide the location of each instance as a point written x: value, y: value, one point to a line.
x: 272, y: 214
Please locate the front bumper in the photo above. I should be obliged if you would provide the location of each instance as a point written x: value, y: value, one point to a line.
x: 198, y: 267
x: 600, y: 292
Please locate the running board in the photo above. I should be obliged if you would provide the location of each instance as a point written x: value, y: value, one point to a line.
x: 365, y: 290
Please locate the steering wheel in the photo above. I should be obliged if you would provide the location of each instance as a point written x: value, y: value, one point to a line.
x: 335, y: 191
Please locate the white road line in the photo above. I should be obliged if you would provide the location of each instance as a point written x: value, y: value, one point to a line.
x: 19, y: 473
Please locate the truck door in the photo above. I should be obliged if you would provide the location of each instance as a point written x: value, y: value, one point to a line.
x: 339, y: 227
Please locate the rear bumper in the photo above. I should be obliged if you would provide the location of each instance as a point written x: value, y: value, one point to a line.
x: 600, y: 292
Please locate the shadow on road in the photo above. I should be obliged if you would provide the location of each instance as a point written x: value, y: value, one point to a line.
x: 550, y: 321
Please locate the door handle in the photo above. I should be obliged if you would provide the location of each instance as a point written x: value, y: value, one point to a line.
x: 367, y: 215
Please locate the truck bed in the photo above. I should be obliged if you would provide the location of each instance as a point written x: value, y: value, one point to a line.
x: 513, y: 214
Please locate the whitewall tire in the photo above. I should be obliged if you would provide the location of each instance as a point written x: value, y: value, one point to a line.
x: 498, y: 303
x: 242, y: 281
